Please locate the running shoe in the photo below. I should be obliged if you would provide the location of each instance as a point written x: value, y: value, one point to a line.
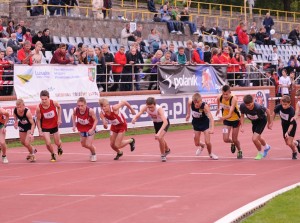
x: 298, y: 146
x: 167, y: 152
x: 294, y: 155
x: 93, y: 158
x: 259, y: 156
x: 59, y: 151
x: 4, y: 159
x: 132, y: 145
x: 199, y: 151
x: 119, y: 154
x: 29, y: 156
x: 163, y: 158
x: 239, y: 154
x: 266, y: 151
x: 53, y: 157
x: 213, y: 156
x: 233, y: 148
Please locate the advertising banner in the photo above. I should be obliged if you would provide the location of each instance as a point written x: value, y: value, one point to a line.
x: 189, y: 79
x: 63, y: 82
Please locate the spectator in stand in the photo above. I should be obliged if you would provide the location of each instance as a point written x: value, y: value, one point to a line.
x: 238, y: 28
x: 125, y: 33
x: 19, y: 35
x: 238, y: 66
x: 10, y: 28
x: 38, y: 9
x: 292, y: 66
x: 274, y: 58
x: 1, y: 29
x: 181, y: 57
x: 82, y: 59
x: 25, y: 54
x: 4, y: 64
x: 203, y: 29
x: 251, y: 47
x: 154, y: 40
x: 129, y: 70
x: 102, y: 78
x: 172, y: 51
x: 198, y: 54
x: 179, y: 25
x: 120, y: 59
x: 97, y: 6
x: 22, y: 25
x: 151, y: 8
x: 243, y: 39
x: 28, y: 37
x: 156, y: 61
x: 59, y: 56
x: 108, y: 57
x: 294, y: 35
x: 166, y: 16
x: 53, y: 8
x: 107, y: 6
x: 284, y: 83
x: 185, y: 18
x: 230, y: 41
x: 215, y: 59
x: 91, y: 55
x: 215, y: 30
x: 13, y: 43
x: 207, y: 54
x: 9, y: 75
x: 268, y: 23
x: 188, y: 51
x: 163, y: 48
x: 46, y: 41
x: 72, y: 53
x: 37, y: 37
x: 226, y: 59
x: 38, y: 57
x: 167, y: 59
x: 253, y: 29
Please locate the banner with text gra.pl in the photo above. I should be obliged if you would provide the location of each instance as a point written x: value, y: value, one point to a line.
x: 64, y: 82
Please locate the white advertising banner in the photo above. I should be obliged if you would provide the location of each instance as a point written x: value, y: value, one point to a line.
x: 64, y: 82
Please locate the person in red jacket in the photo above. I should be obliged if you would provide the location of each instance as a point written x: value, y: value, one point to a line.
x: 48, y: 114
x: 59, y: 56
x: 198, y: 54
x: 215, y: 57
x: 120, y: 58
x: 25, y: 54
x: 243, y: 39
x: 3, y: 64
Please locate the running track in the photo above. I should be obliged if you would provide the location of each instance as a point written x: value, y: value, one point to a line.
x: 139, y: 187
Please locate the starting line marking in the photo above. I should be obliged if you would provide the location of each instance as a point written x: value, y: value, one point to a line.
x: 60, y: 195
x: 226, y: 174
x: 103, y: 195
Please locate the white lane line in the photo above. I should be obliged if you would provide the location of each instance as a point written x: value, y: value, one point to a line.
x: 226, y: 174
x: 139, y: 196
x: 239, y: 214
x: 60, y: 195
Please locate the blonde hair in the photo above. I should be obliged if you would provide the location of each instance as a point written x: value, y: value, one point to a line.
x: 196, y: 97
x: 103, y: 101
x: 19, y: 102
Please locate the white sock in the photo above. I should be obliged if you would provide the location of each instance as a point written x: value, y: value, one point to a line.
x: 266, y: 146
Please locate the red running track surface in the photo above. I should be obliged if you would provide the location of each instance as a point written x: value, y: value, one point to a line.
x: 139, y: 187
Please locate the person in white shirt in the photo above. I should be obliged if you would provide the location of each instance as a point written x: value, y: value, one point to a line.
x: 284, y: 83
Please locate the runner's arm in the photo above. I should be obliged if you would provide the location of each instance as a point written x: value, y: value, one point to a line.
x: 6, y: 114
x: 38, y: 118
x: 188, y: 110
x: 74, y: 119
x: 161, y: 113
x: 211, y: 118
x: 218, y: 105
x: 94, y: 117
x: 121, y: 104
x: 142, y: 111
x: 30, y: 119
x: 58, y: 107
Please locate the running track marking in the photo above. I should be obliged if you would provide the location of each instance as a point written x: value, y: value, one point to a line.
x: 249, y: 208
x: 103, y: 195
x: 60, y: 195
x: 227, y: 174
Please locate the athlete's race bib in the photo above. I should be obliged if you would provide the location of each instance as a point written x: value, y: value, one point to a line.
x: 196, y: 114
x: 252, y: 117
x: 225, y: 107
x: 49, y: 115
x: 23, y: 121
x: 114, y: 122
x: 83, y: 121
x: 284, y: 116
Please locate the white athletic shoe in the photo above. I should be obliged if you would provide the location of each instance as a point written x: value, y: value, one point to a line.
x: 199, y: 151
x: 4, y: 160
x: 213, y: 156
x: 93, y: 158
x: 163, y: 158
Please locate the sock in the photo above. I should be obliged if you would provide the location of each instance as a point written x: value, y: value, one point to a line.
x: 266, y: 146
x: 3, y: 156
x: 199, y: 147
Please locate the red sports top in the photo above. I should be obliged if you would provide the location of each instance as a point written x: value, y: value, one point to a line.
x: 49, y: 116
x: 84, y: 121
x: 113, y: 118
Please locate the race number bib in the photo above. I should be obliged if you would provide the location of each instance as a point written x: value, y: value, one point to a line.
x: 284, y: 116
x: 252, y: 117
x: 114, y: 122
x: 83, y: 121
x: 49, y: 115
x: 196, y: 114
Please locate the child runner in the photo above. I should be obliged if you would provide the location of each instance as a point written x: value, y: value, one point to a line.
x: 230, y: 118
x: 161, y: 124
x: 259, y: 116
x: 288, y: 123
x: 4, y: 117
x: 48, y: 114
x: 85, y: 120
x: 202, y: 121
x: 23, y: 120
x: 111, y: 114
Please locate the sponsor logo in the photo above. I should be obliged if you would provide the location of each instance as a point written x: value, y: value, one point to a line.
x: 181, y: 81
x: 24, y: 78
x: 259, y: 98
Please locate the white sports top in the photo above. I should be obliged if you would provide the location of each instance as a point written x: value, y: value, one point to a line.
x: 154, y: 115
